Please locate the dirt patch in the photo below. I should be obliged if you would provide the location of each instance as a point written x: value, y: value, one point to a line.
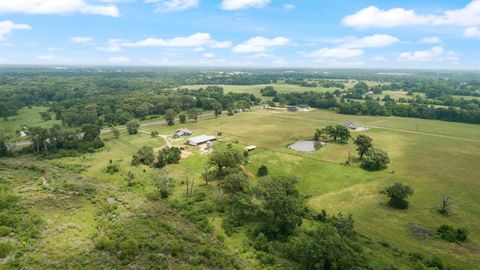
x: 204, y: 149
x: 186, y: 154
x: 359, y: 129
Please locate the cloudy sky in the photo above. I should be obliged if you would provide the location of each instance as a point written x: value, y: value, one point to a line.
x: 242, y: 33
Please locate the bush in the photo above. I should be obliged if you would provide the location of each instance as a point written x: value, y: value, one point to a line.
x: 112, y: 168
x: 5, y: 249
x: 230, y: 226
x: 262, y: 171
x: 448, y: 233
x: 4, y: 231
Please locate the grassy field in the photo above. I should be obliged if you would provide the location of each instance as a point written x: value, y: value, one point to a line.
x: 255, y: 89
x: 435, y: 158
x: 26, y: 117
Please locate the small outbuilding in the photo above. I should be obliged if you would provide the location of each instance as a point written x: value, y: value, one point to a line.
x: 249, y: 148
x: 195, y: 141
x: 182, y: 132
x: 350, y: 125
x: 303, y: 108
x: 292, y: 109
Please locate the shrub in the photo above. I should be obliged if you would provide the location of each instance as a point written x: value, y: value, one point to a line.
x: 5, y: 249
x: 262, y: 171
x: 4, y: 231
x: 230, y: 226
x: 112, y: 168
x: 448, y: 233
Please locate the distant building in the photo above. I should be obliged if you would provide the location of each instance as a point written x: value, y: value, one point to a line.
x: 201, y: 140
x: 303, y: 108
x: 350, y: 125
x: 182, y: 132
x: 370, y: 93
x: 250, y: 148
x: 292, y: 109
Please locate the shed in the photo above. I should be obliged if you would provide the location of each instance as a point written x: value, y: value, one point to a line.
x: 350, y: 125
x: 250, y: 148
x: 292, y: 109
x: 182, y: 132
x: 200, y: 140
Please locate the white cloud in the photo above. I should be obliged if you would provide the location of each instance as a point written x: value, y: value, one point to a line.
x: 6, y: 27
x: 243, y: 4
x: 431, y: 40
x: 436, y: 53
x: 280, y: 62
x: 335, y: 53
x: 374, y: 41
x: 195, y: 40
x: 373, y: 17
x: 114, y: 45
x: 57, y: 7
x: 472, y: 32
x: 118, y: 59
x: 47, y: 57
x: 208, y: 55
x: 289, y: 7
x: 379, y: 58
x: 260, y: 44
x: 199, y: 49
x: 164, y: 6
x: 81, y: 40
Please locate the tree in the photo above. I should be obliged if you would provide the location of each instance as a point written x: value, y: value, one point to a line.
x: 168, y: 155
x: 144, y: 156
x: 39, y: 137
x: 115, y: 132
x: 90, y: 132
x: 154, y: 134
x: 234, y: 183
x: 375, y: 159
x: 398, y: 194
x: 217, y: 108
x: 183, y: 118
x: 360, y: 88
x: 193, y: 114
x: 262, y: 170
x: 132, y: 127
x: 226, y: 160
x: 170, y: 116
x: 331, y: 132
x: 446, y: 202
x: 343, y: 133
x: 268, y: 91
x: 3, y: 147
x: 282, y: 206
x: 364, y: 143
x: 164, y: 184
x: 324, y: 249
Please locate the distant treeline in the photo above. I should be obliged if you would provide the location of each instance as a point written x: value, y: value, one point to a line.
x: 371, y: 107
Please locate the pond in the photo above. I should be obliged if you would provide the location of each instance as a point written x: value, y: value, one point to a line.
x: 306, y: 146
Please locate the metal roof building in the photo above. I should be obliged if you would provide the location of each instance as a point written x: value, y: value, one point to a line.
x: 200, y: 140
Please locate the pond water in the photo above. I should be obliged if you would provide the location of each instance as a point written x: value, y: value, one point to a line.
x: 307, y: 146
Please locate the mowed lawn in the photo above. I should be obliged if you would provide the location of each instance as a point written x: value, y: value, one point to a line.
x: 436, y: 158
x: 26, y: 117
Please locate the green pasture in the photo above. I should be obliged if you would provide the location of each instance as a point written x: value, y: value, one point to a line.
x: 26, y: 117
x: 436, y: 158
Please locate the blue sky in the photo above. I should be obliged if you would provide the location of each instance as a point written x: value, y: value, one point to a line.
x: 242, y: 33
